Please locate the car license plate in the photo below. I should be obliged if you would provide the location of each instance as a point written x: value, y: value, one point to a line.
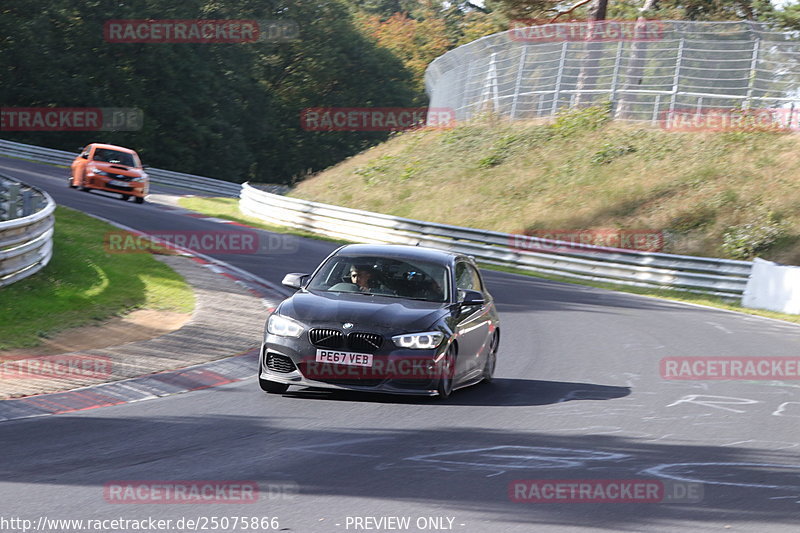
x: 118, y: 183
x: 344, y: 358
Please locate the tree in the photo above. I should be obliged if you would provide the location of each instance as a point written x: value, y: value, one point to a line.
x: 587, y: 79
x: 788, y: 17
x: 524, y: 9
x: 230, y: 111
x: 415, y: 42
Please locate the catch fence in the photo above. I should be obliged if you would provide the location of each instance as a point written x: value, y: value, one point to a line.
x: 647, y: 70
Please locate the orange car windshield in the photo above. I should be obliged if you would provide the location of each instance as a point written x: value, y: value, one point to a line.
x: 113, y: 156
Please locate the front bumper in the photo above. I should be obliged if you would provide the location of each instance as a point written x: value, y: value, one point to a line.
x: 395, y: 371
x: 133, y: 188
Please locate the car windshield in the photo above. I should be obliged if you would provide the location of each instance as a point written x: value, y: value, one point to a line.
x: 383, y: 276
x: 115, y: 156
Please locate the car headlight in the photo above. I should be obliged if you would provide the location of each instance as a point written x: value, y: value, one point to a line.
x: 140, y: 178
x: 419, y: 341
x: 283, y: 326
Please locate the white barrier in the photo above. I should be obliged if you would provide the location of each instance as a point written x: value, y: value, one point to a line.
x: 773, y: 287
x: 719, y: 277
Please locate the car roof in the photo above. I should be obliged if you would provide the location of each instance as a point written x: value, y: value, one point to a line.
x: 400, y: 251
x: 113, y: 147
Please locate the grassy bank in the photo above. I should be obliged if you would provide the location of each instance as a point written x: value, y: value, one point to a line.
x: 718, y: 194
x: 83, y: 284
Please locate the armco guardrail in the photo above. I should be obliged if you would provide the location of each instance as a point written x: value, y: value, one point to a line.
x: 26, y: 230
x: 157, y: 175
x: 719, y: 277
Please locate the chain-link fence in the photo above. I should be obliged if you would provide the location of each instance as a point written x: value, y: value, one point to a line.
x: 646, y: 69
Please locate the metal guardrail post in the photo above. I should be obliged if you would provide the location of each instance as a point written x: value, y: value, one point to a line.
x: 3, y: 192
x: 656, y: 106
x: 523, y: 53
x: 751, y: 81
x: 677, y: 77
x: 12, y: 201
x: 490, y: 87
x: 27, y: 202
x: 559, y: 76
x: 615, y: 75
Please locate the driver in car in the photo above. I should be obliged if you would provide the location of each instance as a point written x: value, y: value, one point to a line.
x: 367, y: 279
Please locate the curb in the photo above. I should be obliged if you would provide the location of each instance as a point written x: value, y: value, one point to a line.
x: 161, y: 383
x: 198, y: 377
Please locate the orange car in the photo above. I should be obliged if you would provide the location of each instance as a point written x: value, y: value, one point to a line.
x: 106, y: 167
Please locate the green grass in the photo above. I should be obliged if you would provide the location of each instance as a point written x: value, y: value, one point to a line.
x: 715, y: 194
x: 84, y: 284
x: 227, y: 208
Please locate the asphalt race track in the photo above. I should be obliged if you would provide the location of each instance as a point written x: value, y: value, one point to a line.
x: 578, y: 396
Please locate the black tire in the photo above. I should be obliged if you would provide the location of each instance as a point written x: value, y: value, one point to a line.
x: 125, y: 197
x: 491, y: 358
x: 445, y: 385
x: 271, y: 387
x: 139, y: 200
x: 71, y: 184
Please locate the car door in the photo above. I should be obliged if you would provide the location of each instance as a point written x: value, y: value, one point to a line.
x: 473, y: 324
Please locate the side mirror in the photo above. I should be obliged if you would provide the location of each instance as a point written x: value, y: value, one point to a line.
x: 467, y: 297
x: 295, y: 280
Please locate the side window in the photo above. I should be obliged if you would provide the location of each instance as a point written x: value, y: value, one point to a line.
x: 464, y: 278
x: 468, y: 278
x: 476, y: 279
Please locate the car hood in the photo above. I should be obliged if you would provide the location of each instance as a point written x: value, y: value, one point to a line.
x: 379, y: 313
x: 114, y: 168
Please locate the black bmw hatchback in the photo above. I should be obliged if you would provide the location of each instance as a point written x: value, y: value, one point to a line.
x: 383, y: 318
